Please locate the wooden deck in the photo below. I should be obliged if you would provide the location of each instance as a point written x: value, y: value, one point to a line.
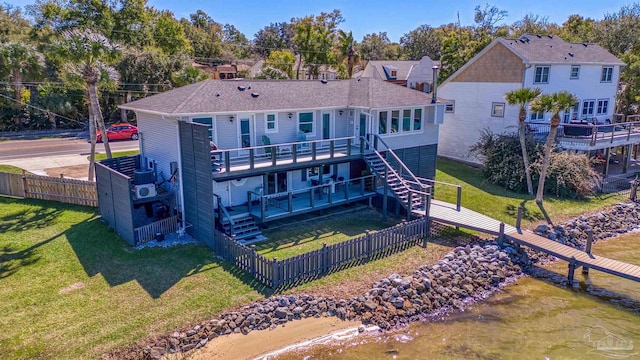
x: 575, y: 257
x: 448, y: 214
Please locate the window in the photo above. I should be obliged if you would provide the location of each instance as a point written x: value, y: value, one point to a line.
x: 537, y: 116
x: 394, y: 73
x: 382, y: 122
x: 271, y: 123
x: 305, y: 122
x: 588, y: 107
x: 497, y: 109
x: 607, y: 74
x: 205, y: 121
x: 575, y: 72
x: 603, y: 106
x: 417, y: 119
x: 449, y: 108
x: 542, y: 75
x: 406, y: 120
x: 395, y: 121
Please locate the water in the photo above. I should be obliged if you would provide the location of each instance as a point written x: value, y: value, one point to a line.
x: 531, y: 319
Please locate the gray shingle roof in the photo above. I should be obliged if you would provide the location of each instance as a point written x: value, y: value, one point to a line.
x: 402, y: 66
x: 552, y: 49
x: 219, y: 96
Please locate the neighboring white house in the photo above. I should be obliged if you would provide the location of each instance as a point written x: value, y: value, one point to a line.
x: 477, y: 89
x: 412, y: 74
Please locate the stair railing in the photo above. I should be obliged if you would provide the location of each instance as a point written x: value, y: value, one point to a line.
x: 403, y: 167
x: 222, y: 212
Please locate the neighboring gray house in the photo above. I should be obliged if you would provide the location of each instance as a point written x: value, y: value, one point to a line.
x: 239, y: 153
x: 410, y: 73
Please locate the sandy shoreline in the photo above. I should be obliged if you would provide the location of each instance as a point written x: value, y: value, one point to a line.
x: 257, y: 343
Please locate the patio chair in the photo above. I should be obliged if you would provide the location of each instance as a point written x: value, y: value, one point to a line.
x: 266, y: 141
x: 303, y: 146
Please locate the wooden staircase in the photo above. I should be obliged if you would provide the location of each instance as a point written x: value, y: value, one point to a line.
x: 243, y: 228
x: 412, y: 199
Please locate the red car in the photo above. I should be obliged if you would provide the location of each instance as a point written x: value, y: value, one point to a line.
x: 119, y: 132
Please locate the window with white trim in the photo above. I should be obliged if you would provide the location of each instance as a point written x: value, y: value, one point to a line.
x: 603, y: 106
x: 400, y: 121
x: 406, y: 120
x: 541, y: 75
x: 271, y: 123
x: 497, y: 109
x: 382, y: 122
x: 305, y: 122
x: 395, y: 121
x: 575, y: 72
x: 607, y: 74
x: 450, y: 108
x: 537, y: 116
x: 206, y: 121
x: 417, y: 119
x: 588, y: 107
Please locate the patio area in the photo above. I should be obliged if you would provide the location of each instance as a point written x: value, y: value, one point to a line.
x: 587, y: 136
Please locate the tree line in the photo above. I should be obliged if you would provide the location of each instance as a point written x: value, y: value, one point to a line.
x: 65, y: 61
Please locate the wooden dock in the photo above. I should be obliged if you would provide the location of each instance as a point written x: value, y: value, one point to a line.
x: 447, y: 213
x: 575, y: 257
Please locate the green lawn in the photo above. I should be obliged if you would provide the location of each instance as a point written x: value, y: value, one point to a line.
x: 501, y: 204
x: 100, y: 156
x: 10, y: 169
x: 310, y: 235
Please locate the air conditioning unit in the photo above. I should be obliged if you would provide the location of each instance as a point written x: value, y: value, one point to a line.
x: 145, y: 191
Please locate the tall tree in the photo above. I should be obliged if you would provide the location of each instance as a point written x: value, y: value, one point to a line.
x: 523, y: 97
x: 374, y: 46
x: 283, y: 60
x: 87, y: 55
x: 169, y: 34
x: 533, y: 24
x: 421, y: 41
x: 276, y: 36
x: 13, y: 26
x: 133, y: 24
x: 347, y: 50
x: 188, y: 75
x: 235, y: 42
x: 554, y: 103
x: 20, y: 60
x: 314, y: 38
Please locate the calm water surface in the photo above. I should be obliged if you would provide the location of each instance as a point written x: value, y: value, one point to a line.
x: 531, y: 319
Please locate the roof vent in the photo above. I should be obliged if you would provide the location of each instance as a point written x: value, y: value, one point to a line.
x: 249, y: 87
x: 522, y: 41
x: 539, y: 36
x: 584, y: 44
x: 217, y: 94
x: 550, y: 36
x: 241, y: 88
x: 571, y: 54
x: 324, y: 81
x: 254, y: 94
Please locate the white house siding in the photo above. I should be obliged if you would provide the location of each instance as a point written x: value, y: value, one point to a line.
x: 586, y: 87
x: 162, y: 147
x: 428, y: 135
x: 472, y: 114
x: 234, y: 192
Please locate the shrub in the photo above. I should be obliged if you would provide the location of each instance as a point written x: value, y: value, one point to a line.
x: 569, y: 175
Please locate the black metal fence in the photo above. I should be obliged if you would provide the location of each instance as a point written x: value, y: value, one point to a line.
x: 276, y: 273
x: 616, y: 185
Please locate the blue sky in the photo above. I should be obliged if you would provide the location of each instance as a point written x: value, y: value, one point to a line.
x: 396, y: 17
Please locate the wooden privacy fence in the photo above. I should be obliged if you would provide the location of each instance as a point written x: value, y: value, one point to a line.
x: 147, y: 233
x: 279, y: 273
x: 60, y: 189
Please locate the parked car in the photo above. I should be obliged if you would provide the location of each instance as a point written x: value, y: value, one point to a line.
x: 119, y: 132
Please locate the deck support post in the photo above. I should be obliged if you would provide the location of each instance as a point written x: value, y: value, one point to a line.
x: 572, y: 270
x: 519, y: 218
x: 385, y: 195
x: 501, y: 234
x: 290, y: 202
x: 627, y: 158
x: 585, y: 269
x: 409, y: 205
x: 607, y: 156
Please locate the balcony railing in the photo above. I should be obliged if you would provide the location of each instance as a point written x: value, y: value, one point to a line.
x: 583, y: 134
x: 264, y: 156
x: 283, y: 204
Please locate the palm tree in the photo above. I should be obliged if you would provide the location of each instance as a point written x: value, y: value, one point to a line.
x: 20, y: 60
x: 522, y: 97
x: 86, y: 55
x: 554, y: 103
x: 348, y: 51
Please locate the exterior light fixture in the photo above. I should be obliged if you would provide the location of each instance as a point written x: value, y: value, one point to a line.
x: 231, y: 118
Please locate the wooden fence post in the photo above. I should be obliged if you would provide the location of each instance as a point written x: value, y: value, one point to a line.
x: 252, y: 264
x: 275, y: 276
x: 367, y: 235
x: 519, y: 219
x: 24, y: 183
x: 572, y: 269
x: 325, y: 258
x: 501, y: 234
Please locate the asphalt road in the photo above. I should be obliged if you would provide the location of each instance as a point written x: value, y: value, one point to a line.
x: 34, y: 148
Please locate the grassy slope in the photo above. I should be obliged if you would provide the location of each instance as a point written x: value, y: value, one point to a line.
x: 10, y: 169
x: 100, y: 156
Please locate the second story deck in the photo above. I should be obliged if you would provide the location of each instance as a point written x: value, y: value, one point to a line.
x: 234, y: 163
x: 586, y: 136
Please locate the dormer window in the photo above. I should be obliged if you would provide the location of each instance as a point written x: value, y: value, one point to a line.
x: 390, y: 71
x: 394, y: 73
